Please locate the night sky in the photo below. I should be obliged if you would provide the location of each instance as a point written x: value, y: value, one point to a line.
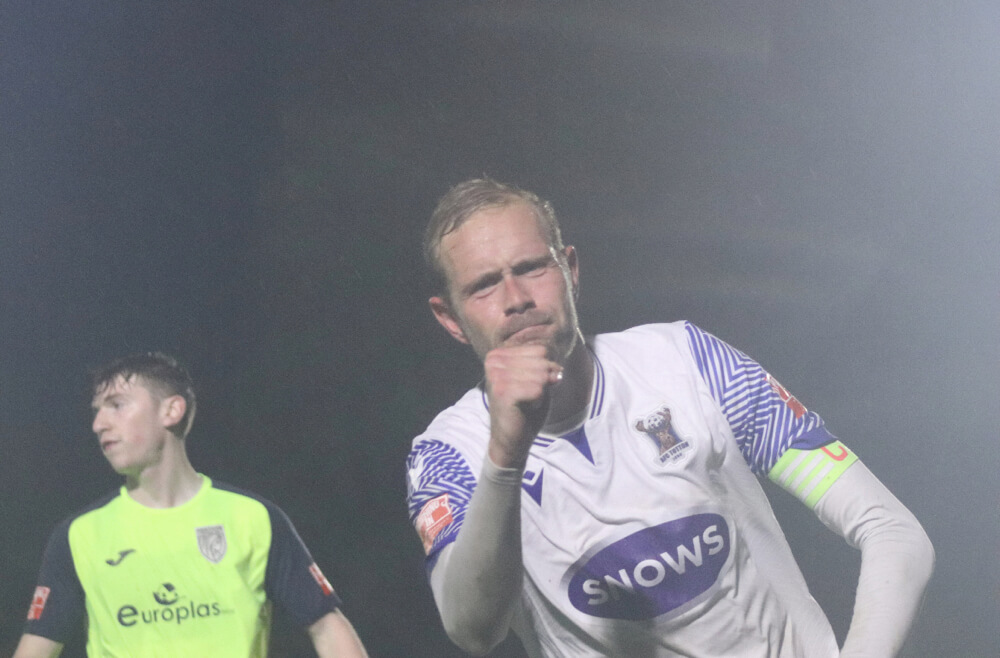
x: 245, y: 184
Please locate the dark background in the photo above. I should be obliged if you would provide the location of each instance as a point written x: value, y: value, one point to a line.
x: 244, y: 185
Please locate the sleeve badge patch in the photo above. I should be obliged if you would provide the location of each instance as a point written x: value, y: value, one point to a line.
x: 320, y: 579
x: 797, y: 407
x: 38, y: 603
x: 433, y: 518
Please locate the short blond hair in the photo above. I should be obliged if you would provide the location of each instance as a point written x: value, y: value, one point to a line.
x: 469, y: 197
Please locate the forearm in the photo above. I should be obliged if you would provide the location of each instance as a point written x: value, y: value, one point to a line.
x: 333, y: 636
x: 36, y: 646
x: 896, y: 561
x: 477, y: 579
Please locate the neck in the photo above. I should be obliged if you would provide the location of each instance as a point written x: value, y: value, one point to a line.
x: 169, y: 483
x: 572, y: 395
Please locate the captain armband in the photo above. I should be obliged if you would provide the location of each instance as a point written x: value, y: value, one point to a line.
x: 808, y: 474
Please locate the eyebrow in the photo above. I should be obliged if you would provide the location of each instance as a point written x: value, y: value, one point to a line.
x: 104, y: 400
x: 494, y: 276
x: 529, y: 264
x: 482, y: 281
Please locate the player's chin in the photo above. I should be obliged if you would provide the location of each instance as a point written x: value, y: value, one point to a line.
x: 560, y: 346
x: 121, y: 467
x: 519, y: 340
x: 536, y: 334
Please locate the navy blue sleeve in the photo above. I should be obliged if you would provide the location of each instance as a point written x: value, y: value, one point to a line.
x: 293, y: 580
x: 57, y: 605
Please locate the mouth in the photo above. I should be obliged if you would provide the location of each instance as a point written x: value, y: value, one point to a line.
x: 527, y: 333
x: 107, y: 444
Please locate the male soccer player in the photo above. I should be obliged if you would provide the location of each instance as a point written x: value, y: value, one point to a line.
x: 173, y: 564
x: 598, y: 496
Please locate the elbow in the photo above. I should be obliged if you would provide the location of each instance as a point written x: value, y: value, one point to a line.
x: 471, y: 646
x: 929, y: 557
x: 476, y: 638
x: 914, y: 548
x: 921, y: 551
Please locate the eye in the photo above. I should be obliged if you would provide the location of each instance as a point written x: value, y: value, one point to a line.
x: 533, y: 267
x: 482, y: 292
x: 483, y: 286
x: 112, y: 403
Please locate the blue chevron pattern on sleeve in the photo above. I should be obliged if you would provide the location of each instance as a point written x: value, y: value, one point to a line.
x: 435, y: 468
x: 766, y: 420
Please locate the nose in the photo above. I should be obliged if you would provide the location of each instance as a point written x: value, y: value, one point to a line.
x: 100, y: 423
x: 517, y: 297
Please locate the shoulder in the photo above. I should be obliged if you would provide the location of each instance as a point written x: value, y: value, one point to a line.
x: 260, y: 517
x: 466, y: 421
x: 106, y: 504
x: 82, y: 518
x: 225, y: 490
x: 225, y: 494
x: 682, y: 339
x: 645, y: 335
x: 451, y: 450
x: 647, y: 343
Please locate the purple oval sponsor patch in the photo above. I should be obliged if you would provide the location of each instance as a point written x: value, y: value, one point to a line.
x: 652, y: 571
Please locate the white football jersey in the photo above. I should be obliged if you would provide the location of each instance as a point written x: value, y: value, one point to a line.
x: 645, y: 531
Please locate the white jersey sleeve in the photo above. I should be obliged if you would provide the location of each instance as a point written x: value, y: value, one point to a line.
x: 765, y: 418
x: 440, y: 485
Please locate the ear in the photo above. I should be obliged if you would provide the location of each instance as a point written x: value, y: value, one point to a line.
x: 569, y: 251
x: 443, y: 314
x: 172, y: 409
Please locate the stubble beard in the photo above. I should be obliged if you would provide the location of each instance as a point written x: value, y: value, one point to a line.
x: 558, y: 345
x: 563, y: 342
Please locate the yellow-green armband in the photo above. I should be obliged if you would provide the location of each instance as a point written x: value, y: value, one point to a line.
x: 807, y: 474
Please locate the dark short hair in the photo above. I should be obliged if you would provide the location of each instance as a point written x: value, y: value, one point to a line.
x: 466, y: 199
x: 161, y: 373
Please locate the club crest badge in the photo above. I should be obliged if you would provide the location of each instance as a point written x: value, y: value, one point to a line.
x: 212, y: 542
x: 657, y: 426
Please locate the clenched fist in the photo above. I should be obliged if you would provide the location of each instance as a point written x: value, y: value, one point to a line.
x: 519, y: 381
